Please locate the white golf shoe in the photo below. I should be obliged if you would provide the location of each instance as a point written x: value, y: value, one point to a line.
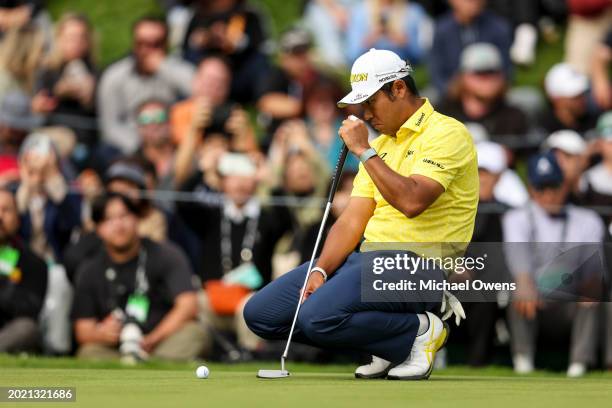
x: 523, y: 364
x: 378, y: 368
x: 420, y: 362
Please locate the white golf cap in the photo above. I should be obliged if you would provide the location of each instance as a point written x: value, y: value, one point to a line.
x: 492, y: 157
x: 563, y: 81
x: 371, y: 71
x: 481, y: 57
x: 567, y: 141
x: 236, y: 164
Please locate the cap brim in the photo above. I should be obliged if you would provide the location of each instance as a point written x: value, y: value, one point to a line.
x: 356, y: 97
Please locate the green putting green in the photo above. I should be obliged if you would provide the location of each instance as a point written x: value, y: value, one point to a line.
x: 175, y: 385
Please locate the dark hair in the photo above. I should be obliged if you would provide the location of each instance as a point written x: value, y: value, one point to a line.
x: 219, y: 57
x: 408, y: 80
x: 98, y: 207
x: 151, y: 18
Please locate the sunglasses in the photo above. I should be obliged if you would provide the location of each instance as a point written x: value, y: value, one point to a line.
x: 156, y: 117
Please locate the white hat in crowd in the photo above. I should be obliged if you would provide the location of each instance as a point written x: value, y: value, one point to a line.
x: 236, y: 164
x: 491, y: 157
x: 481, y: 57
x: 563, y: 81
x: 567, y: 141
x: 371, y: 71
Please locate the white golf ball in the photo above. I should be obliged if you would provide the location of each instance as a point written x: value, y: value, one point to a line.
x: 202, y: 372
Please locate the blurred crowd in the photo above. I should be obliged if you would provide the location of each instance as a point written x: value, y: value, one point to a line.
x: 143, y: 202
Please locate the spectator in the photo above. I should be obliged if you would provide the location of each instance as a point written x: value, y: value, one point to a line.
x: 64, y: 90
x: 566, y: 90
x: 236, y: 30
x: 596, y: 182
x: 565, y: 229
x: 208, y: 118
x: 127, y: 177
x: 210, y: 102
x: 588, y: 22
x: 281, y: 93
x: 600, y: 77
x: 21, y: 53
x: 49, y: 212
x: 238, y: 239
x: 245, y: 216
x: 478, y: 94
x: 23, y: 284
x: 156, y: 141
x: 400, y: 26
x: 327, y: 22
x: 140, y: 280
x: 147, y: 73
x: 468, y: 22
x: 570, y: 150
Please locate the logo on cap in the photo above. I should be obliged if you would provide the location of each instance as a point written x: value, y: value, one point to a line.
x: 544, y: 166
x: 359, y: 77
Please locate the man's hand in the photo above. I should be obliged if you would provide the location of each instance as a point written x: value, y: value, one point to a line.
x: 354, y: 133
x: 108, y: 330
x: 149, y: 342
x: 315, y: 281
x: 202, y: 115
x: 526, y: 302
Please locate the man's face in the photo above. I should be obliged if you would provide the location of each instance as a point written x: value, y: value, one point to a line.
x: 550, y: 199
x: 212, y: 81
x: 297, y: 64
x: 153, y: 126
x: 382, y: 113
x: 149, y: 37
x: 238, y: 189
x: 299, y: 177
x: 484, y: 85
x: 119, y: 229
x: 467, y: 10
x: 488, y: 181
x: 9, y: 218
x: 576, y: 105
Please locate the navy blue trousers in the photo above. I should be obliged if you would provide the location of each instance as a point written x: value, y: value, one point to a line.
x: 334, y: 317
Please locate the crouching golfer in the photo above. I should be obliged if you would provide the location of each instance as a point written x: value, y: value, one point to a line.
x: 417, y: 182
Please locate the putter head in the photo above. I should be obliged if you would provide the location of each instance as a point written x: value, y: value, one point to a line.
x: 271, y: 374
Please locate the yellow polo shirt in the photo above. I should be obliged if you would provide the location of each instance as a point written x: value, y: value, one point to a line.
x: 438, y: 147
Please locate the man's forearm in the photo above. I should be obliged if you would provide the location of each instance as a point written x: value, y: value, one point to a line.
x: 183, y: 311
x: 342, y: 239
x: 397, y: 190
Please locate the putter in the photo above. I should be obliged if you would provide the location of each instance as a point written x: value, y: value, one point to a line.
x: 283, y: 373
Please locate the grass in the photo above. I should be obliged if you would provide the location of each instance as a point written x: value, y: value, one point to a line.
x: 169, y: 384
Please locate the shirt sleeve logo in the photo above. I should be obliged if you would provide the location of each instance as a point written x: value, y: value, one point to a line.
x: 434, y: 163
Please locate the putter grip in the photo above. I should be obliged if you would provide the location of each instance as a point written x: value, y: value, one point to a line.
x: 337, y: 173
